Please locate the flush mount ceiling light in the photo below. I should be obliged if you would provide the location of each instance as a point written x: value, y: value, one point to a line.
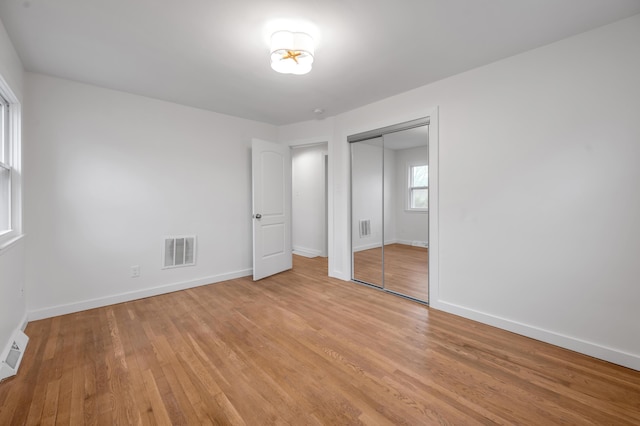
x: 291, y: 53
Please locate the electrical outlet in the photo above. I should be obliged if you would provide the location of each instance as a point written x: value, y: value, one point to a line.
x: 135, y: 271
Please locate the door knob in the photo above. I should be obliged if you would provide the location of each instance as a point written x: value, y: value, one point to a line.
x: 257, y: 216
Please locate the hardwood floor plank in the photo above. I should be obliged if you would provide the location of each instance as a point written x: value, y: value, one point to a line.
x: 63, y: 415
x: 76, y: 410
x: 301, y: 348
x: 89, y: 406
x: 52, y: 341
x: 38, y: 399
x: 159, y: 410
x: 136, y: 349
x: 50, y: 408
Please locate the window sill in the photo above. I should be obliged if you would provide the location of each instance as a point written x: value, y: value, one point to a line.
x: 416, y: 210
x: 5, y: 245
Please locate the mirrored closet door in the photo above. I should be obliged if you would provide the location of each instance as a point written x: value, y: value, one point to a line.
x: 366, y: 207
x: 390, y: 208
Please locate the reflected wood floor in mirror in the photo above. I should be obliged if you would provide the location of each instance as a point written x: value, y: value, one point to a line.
x: 301, y: 348
x: 406, y: 269
x: 367, y: 266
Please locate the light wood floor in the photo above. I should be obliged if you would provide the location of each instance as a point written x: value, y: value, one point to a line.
x: 300, y: 348
x: 406, y: 269
x: 367, y: 266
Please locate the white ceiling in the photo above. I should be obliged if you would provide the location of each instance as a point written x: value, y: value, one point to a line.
x: 213, y: 54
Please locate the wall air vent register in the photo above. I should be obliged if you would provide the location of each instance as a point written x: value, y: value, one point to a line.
x: 179, y: 251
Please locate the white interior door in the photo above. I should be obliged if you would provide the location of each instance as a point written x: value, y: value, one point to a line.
x: 271, y: 183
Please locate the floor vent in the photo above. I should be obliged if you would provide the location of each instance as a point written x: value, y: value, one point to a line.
x: 179, y: 251
x: 365, y: 228
x: 12, y: 358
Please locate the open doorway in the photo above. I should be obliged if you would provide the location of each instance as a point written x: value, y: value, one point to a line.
x: 309, y: 202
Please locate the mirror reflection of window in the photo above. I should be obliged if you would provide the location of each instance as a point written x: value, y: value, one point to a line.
x: 418, y: 187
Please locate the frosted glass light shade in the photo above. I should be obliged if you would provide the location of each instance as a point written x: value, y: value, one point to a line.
x: 291, y: 53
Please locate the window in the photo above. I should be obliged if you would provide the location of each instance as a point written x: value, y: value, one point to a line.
x: 418, y: 187
x: 5, y: 169
x: 10, y: 178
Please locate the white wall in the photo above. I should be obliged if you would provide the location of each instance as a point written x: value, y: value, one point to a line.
x: 110, y: 174
x: 538, y: 190
x: 10, y: 65
x: 411, y: 226
x: 538, y: 197
x: 12, y: 302
x: 309, y: 232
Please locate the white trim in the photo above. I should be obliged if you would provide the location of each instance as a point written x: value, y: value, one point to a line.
x: 363, y: 247
x: 414, y: 243
x: 325, y: 189
x: 306, y: 142
x: 332, y: 251
x: 6, y: 245
x: 69, y: 308
x: 15, y: 129
x: 434, y: 208
x: 306, y: 252
x: 24, y: 322
x: 568, y: 342
x: 328, y: 140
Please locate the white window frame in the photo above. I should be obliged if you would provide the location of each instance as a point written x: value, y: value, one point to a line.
x: 410, y: 165
x: 5, y: 165
x: 13, y: 161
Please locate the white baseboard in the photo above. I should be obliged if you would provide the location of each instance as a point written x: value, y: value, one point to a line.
x: 588, y: 348
x: 24, y: 322
x: 70, y: 308
x: 424, y: 244
x: 344, y: 276
x: 306, y: 252
x: 373, y: 245
x: 366, y: 247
